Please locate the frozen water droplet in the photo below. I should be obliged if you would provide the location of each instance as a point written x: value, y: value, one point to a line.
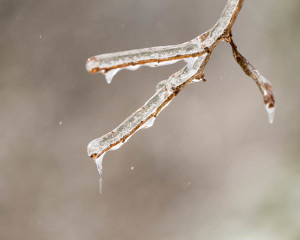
x: 60, y: 123
x: 195, y: 80
x: 271, y: 112
x: 132, y: 167
x: 189, y: 183
x: 110, y: 74
x: 133, y: 67
x: 149, y: 123
x: 40, y: 36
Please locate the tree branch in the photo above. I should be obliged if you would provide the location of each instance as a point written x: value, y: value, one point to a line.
x: 195, y: 53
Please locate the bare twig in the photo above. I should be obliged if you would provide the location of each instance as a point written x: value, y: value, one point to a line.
x: 195, y: 53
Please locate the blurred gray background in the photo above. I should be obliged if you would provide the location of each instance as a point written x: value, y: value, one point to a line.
x: 211, y: 167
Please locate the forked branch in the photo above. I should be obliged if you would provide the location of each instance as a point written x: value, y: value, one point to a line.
x: 195, y: 53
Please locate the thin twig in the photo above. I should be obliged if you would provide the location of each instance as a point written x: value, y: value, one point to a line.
x: 263, y: 84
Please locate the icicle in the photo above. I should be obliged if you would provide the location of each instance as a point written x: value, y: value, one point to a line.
x: 99, y: 167
x: 195, y: 80
x: 110, y: 74
x: 271, y: 112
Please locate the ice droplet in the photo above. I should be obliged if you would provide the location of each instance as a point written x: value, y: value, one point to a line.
x: 110, y: 75
x: 149, y: 123
x: 195, y: 80
x: 132, y: 167
x: 60, y: 123
x: 271, y: 112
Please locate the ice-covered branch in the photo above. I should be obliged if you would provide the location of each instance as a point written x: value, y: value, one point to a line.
x: 264, y: 85
x: 144, y: 117
x: 195, y: 53
x: 109, y: 64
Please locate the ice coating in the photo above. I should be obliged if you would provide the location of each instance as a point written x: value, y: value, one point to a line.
x: 98, y: 162
x: 190, y: 61
x: 161, y: 84
x: 225, y: 21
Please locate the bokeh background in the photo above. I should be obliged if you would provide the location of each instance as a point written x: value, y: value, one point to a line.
x: 211, y: 167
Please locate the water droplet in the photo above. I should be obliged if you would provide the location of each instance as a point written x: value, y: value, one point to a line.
x: 271, y: 112
x: 40, y: 36
x: 110, y: 75
x: 60, y: 123
x: 189, y: 183
x: 132, y: 167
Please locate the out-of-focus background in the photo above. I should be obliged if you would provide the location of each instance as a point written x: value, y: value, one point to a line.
x: 211, y: 167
